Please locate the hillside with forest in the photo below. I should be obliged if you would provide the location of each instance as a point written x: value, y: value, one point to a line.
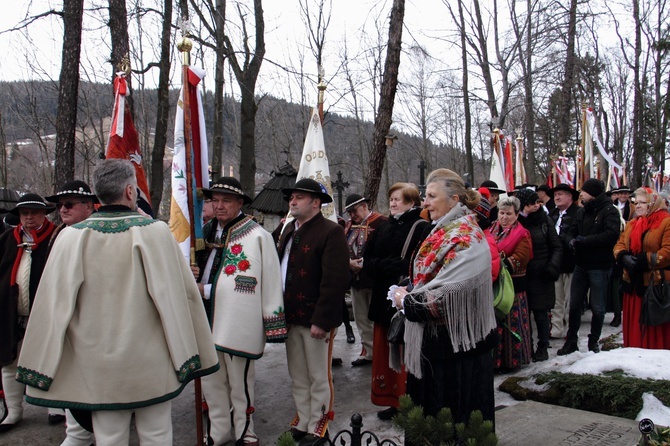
x: 28, y: 124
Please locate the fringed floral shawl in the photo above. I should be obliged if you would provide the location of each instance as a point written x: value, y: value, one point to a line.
x: 452, y: 278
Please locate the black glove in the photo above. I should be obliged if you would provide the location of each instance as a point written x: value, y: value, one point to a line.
x: 629, y: 262
x: 641, y: 264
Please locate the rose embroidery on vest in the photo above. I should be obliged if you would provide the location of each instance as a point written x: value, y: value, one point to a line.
x: 235, y: 260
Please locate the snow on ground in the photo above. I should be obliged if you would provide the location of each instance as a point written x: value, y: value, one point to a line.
x: 637, y: 362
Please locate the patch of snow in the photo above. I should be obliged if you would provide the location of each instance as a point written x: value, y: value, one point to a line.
x: 653, y: 409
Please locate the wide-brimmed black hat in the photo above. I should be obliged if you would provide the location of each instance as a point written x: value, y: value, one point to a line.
x: 74, y: 188
x: 311, y: 186
x: 492, y: 186
x: 227, y: 185
x: 567, y: 188
x: 354, y: 200
x: 620, y: 189
x: 544, y: 188
x: 32, y: 201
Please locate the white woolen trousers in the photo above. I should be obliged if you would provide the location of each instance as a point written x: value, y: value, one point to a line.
x: 309, y: 365
x: 75, y: 435
x: 153, y: 424
x: 14, y: 391
x: 225, y: 390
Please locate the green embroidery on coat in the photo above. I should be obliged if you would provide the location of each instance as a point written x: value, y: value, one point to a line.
x: 113, y: 222
x: 188, y: 368
x: 245, y: 284
x: 275, y: 326
x: 33, y: 378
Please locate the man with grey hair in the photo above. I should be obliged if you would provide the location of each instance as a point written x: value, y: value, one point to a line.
x: 121, y: 330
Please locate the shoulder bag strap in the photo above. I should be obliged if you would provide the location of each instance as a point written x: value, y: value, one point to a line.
x: 409, y: 238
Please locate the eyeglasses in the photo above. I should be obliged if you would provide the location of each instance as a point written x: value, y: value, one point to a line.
x: 353, y: 210
x: 68, y: 205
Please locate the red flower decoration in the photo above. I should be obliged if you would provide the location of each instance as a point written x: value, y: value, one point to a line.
x: 236, y: 249
x: 230, y: 269
x: 243, y: 265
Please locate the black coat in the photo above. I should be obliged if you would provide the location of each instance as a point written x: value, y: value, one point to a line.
x: 10, y: 332
x: 568, y: 262
x: 545, y: 266
x: 382, y: 260
x: 596, y: 229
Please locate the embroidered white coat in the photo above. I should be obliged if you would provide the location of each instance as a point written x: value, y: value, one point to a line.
x: 118, y: 321
x: 247, y: 297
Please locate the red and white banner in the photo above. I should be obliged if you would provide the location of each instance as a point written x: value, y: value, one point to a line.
x: 123, y: 141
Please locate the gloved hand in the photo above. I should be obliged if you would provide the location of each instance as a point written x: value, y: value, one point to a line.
x: 573, y: 245
x: 629, y: 262
x: 641, y: 263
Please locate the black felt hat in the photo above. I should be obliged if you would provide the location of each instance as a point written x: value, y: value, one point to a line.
x: 567, y: 188
x: 32, y: 201
x: 74, y: 188
x: 227, y: 185
x: 311, y: 186
x: 354, y: 200
x: 492, y: 186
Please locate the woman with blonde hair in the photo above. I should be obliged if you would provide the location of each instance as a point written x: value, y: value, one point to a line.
x: 450, y: 327
x: 643, y: 250
x: 387, y: 259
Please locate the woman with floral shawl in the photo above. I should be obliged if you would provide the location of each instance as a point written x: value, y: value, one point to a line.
x: 514, y: 242
x: 450, y: 326
x: 643, y: 249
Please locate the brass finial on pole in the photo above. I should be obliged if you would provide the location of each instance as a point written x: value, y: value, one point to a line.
x: 124, y: 65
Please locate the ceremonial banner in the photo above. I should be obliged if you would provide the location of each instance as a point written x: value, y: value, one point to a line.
x: 179, y: 213
x: 123, y: 142
x: 520, y: 170
x: 314, y: 163
x: 508, y: 163
x: 497, y: 174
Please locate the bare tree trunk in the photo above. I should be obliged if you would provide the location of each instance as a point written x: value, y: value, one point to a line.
x: 466, y: 98
x: 638, y: 142
x: 246, y: 76
x: 568, y: 77
x: 3, y: 155
x: 527, y: 64
x: 66, y: 118
x: 484, y: 63
x: 162, y: 112
x: 219, y: 82
x: 386, y: 98
x: 118, y: 29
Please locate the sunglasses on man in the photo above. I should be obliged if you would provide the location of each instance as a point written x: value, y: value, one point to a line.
x: 68, y: 205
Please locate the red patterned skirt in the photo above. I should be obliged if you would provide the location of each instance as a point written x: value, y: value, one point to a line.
x: 654, y: 337
x: 514, y: 340
x: 387, y: 385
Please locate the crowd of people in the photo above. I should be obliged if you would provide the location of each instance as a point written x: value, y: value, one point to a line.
x: 107, y: 340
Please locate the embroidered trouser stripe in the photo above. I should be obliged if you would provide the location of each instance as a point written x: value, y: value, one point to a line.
x: 231, y: 387
x: 309, y: 364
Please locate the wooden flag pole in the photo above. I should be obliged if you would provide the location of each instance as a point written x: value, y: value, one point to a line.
x: 185, y: 48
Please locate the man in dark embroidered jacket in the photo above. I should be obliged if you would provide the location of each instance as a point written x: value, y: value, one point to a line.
x: 315, y: 267
x: 23, y: 254
x: 362, y: 223
x: 121, y: 336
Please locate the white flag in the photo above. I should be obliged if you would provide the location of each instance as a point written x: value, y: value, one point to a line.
x: 180, y: 223
x: 314, y: 163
